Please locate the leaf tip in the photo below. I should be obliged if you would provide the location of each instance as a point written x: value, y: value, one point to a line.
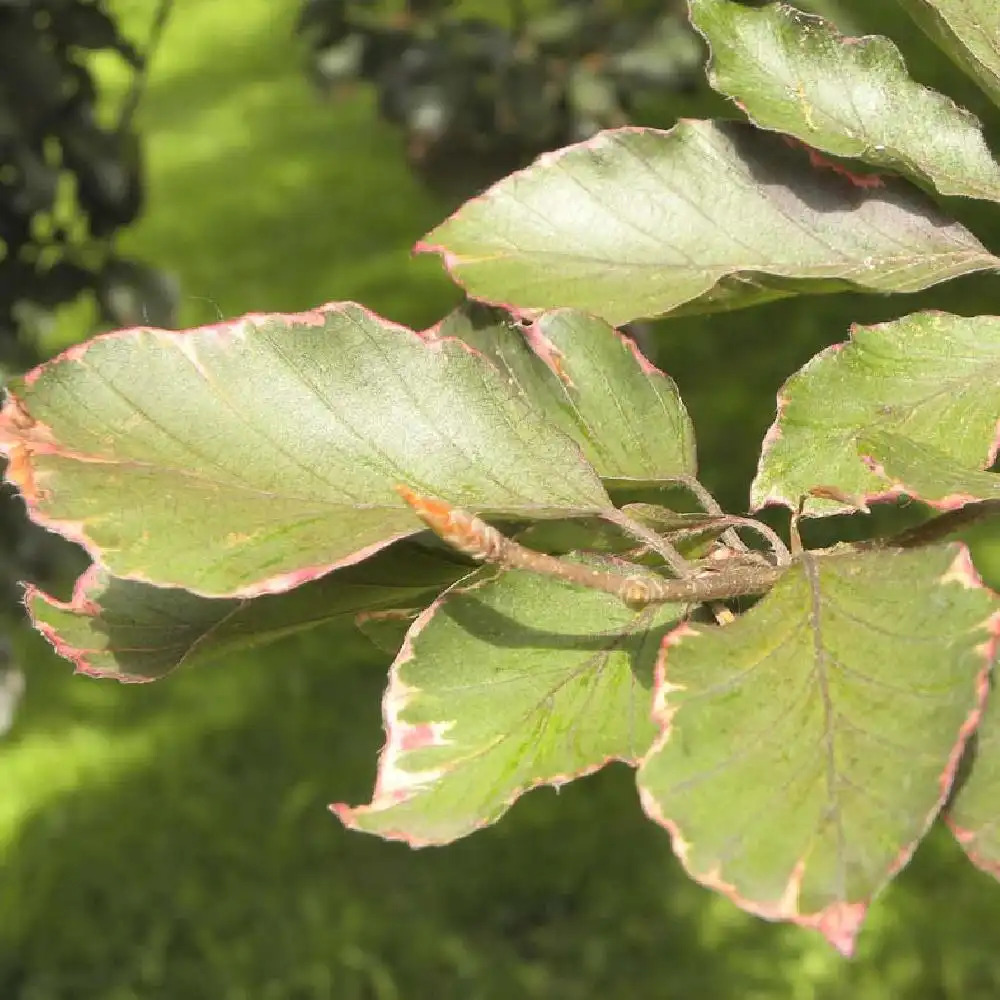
x: 840, y: 924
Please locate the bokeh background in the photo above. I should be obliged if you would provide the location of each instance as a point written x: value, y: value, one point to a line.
x: 172, y: 840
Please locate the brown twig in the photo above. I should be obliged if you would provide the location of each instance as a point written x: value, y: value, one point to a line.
x: 649, y: 538
x: 479, y: 540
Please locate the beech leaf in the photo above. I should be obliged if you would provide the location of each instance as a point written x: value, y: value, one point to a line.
x: 255, y: 455
x: 925, y: 473
x: 794, y: 73
x: 638, y: 222
x: 806, y: 748
x: 133, y: 631
x: 969, y: 32
x: 974, y: 812
x: 932, y: 377
x: 591, y: 382
x: 508, y: 682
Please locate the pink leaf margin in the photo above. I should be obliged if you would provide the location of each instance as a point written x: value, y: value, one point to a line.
x: 22, y: 436
x: 967, y: 838
x: 452, y: 261
x: 840, y: 923
x: 891, y: 493
x: 394, y: 784
x: 951, y: 501
x: 82, y: 605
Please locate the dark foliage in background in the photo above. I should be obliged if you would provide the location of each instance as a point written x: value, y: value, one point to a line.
x: 480, y: 97
x: 68, y: 184
x: 475, y: 99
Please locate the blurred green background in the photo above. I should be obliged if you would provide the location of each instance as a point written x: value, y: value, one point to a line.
x: 172, y: 840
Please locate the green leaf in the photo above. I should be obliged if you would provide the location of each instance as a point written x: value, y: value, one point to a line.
x: 931, y: 377
x: 974, y: 812
x: 590, y: 382
x: 699, y: 531
x: 638, y: 222
x: 509, y: 682
x: 252, y: 456
x: 589, y: 534
x: 969, y: 32
x: 853, y: 97
x: 386, y: 630
x: 136, y: 632
x: 926, y: 473
x: 807, y: 747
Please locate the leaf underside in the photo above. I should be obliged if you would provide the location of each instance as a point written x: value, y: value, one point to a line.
x: 806, y: 748
x: 136, y: 632
x: 932, y: 378
x: 925, y: 473
x: 639, y: 222
x: 508, y: 682
x: 974, y: 813
x: 852, y: 97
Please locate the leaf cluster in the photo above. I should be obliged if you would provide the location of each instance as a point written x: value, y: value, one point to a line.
x: 509, y: 501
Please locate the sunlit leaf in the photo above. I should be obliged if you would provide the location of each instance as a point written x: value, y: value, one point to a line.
x: 638, y: 222
x: 932, y: 377
x: 969, y: 32
x: 794, y: 73
x: 255, y: 455
x: 509, y: 682
x: 593, y: 384
x: 806, y: 748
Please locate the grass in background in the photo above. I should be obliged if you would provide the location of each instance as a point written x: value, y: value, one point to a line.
x: 172, y: 841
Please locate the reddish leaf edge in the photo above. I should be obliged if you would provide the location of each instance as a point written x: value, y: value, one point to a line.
x: 395, y: 785
x: 841, y: 922
x: 451, y: 261
x: 529, y: 324
x: 818, y: 158
x: 951, y: 501
x: 22, y: 436
x: 82, y: 605
x: 861, y: 503
x: 968, y: 840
